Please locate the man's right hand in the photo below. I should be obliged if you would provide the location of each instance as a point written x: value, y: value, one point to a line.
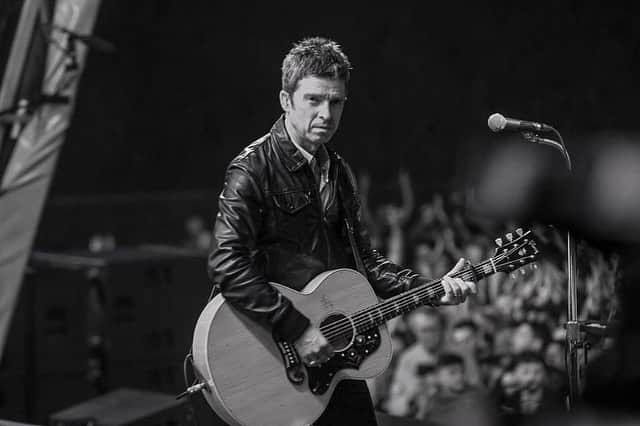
x: 313, y: 348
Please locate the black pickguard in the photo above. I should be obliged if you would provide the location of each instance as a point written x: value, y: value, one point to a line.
x: 363, y: 345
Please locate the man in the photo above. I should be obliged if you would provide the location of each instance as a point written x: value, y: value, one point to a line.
x: 289, y: 210
x: 524, y: 389
x: 456, y: 402
x: 468, y: 342
x: 529, y: 337
x: 427, y: 325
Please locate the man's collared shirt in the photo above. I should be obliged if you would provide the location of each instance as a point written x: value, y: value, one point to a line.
x: 321, y: 158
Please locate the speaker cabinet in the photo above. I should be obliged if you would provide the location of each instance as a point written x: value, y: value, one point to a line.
x: 126, y: 407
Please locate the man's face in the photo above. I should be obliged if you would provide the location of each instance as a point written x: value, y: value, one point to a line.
x: 451, y: 378
x: 530, y: 374
x: 427, y: 329
x: 313, y: 110
x: 524, y: 338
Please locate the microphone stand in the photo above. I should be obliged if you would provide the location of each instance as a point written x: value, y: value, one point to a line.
x: 576, y: 344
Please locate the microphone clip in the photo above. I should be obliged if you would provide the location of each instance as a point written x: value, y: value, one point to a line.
x: 533, y: 137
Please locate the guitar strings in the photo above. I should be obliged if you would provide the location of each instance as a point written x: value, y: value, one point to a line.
x: 429, y: 289
x: 388, y: 306
x: 343, y: 327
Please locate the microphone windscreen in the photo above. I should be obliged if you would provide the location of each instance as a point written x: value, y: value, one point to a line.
x: 497, y: 122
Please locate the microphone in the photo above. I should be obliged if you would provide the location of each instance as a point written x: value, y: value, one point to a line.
x: 497, y: 122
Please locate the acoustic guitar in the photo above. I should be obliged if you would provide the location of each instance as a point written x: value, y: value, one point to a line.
x: 249, y: 378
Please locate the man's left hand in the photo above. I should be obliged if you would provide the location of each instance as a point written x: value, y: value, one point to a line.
x: 456, y: 290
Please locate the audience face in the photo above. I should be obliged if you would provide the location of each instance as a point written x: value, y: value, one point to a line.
x: 463, y: 334
x: 504, y: 305
x: 530, y: 374
x: 423, y: 257
x: 554, y: 355
x: 466, y: 340
x: 525, y: 339
x: 474, y: 253
x: 427, y: 329
x: 430, y: 382
x: 509, y: 383
x: 451, y: 378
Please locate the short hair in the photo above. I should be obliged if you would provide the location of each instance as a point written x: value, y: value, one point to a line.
x: 527, y: 357
x: 449, y: 358
x: 540, y: 330
x: 314, y: 56
x: 425, y: 369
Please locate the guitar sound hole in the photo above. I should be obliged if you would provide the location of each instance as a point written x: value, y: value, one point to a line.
x: 338, y: 329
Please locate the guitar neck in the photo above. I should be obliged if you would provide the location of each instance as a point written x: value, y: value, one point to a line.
x: 432, y: 291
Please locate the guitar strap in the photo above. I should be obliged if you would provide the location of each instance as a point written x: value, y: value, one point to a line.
x: 343, y: 205
x: 354, y: 249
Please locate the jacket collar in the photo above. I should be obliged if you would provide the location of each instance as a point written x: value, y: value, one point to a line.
x: 292, y: 157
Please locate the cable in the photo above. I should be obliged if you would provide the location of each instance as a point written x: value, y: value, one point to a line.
x: 189, y: 358
x: 565, y: 153
x: 184, y: 368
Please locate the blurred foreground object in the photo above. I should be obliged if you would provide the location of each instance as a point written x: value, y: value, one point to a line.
x: 600, y: 199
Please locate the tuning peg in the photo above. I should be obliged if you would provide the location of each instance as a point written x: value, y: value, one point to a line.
x: 499, y: 242
x: 519, y: 232
x: 509, y: 236
x: 522, y: 271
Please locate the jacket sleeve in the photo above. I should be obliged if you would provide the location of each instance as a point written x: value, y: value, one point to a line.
x: 231, y: 263
x: 386, y: 278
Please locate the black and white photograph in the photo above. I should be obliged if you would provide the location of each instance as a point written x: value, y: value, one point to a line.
x: 332, y: 213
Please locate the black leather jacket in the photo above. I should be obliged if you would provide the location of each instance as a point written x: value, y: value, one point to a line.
x: 270, y: 226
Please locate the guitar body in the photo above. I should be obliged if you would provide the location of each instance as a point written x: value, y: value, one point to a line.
x: 244, y: 369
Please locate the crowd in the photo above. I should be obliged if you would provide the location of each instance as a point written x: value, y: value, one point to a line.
x: 505, y: 347
x: 502, y: 353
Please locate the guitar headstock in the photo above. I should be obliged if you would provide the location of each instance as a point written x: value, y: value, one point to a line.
x: 515, y: 249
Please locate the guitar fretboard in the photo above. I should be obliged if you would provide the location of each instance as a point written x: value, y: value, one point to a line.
x: 406, y: 302
x: 509, y: 257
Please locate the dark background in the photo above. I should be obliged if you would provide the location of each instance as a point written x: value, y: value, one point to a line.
x: 193, y: 83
